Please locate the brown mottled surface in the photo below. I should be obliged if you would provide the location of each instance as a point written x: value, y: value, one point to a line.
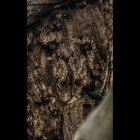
x: 67, y: 54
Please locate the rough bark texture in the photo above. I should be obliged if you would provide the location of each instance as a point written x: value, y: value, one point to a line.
x: 69, y: 45
x: 99, y: 123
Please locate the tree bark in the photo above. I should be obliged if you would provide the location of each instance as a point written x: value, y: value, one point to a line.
x: 69, y: 64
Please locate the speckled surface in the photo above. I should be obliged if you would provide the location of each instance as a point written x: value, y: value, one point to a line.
x: 66, y: 58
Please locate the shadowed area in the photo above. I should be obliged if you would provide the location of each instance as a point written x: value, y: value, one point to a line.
x: 68, y: 56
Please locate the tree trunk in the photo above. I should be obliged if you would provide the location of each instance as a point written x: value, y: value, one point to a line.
x: 69, y: 64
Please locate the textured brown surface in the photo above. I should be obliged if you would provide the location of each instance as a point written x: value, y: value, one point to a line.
x: 68, y: 45
x: 99, y: 123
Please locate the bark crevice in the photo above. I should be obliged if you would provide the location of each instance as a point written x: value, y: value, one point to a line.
x: 68, y: 46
